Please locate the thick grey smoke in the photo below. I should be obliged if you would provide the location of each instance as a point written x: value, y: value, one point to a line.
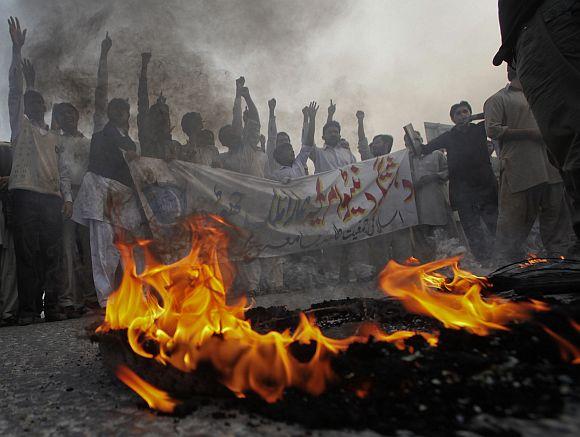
x: 191, y: 42
x: 399, y: 61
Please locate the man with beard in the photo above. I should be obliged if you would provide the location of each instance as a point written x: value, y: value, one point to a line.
x: 542, y: 37
x: 331, y: 156
x: 39, y: 184
x: 276, y: 138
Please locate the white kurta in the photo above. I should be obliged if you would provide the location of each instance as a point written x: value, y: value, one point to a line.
x: 105, y: 204
x: 432, y: 199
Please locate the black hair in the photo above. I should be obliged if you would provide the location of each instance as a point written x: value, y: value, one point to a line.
x: 459, y: 105
x: 331, y: 123
x: 31, y: 94
x: 118, y: 103
x: 190, y: 117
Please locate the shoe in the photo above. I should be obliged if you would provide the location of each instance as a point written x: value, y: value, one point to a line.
x: 10, y: 321
x: 55, y: 317
x: 71, y: 312
x: 25, y: 320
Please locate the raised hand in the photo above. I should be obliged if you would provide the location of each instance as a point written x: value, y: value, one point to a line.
x: 29, y: 73
x: 331, y: 108
x: 17, y: 35
x: 272, y: 104
x: 145, y: 58
x: 107, y: 43
x: 305, y: 111
x: 360, y: 115
x: 312, y: 110
x: 240, y: 82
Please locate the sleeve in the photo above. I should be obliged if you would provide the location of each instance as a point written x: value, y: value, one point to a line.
x: 364, y: 149
x: 101, y: 95
x: 237, y: 118
x: 303, y: 155
x: 15, y: 90
x: 271, y: 145
x: 304, y: 135
x: 64, y: 174
x: 494, y: 118
x: 441, y: 142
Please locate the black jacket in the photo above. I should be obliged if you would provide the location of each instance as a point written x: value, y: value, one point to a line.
x: 470, y: 173
x: 513, y: 15
x: 106, y: 156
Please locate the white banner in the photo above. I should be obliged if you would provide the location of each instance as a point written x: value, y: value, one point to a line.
x: 360, y: 201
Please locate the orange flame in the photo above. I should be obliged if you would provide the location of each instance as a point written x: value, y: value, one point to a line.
x: 177, y: 314
x: 461, y: 306
x: 181, y: 308
x: 155, y: 398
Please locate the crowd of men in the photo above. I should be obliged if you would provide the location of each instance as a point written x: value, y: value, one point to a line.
x: 57, y: 249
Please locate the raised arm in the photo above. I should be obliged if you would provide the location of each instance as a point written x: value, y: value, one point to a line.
x: 436, y: 144
x: 312, y: 111
x: 15, y: 79
x: 272, y: 134
x: 252, y: 110
x: 331, y: 111
x: 102, y: 89
x: 363, y: 143
x: 143, y: 92
x: 29, y: 74
x: 251, y: 130
x: 304, y: 136
x: 237, y: 123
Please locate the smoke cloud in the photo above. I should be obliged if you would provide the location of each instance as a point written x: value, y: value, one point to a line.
x: 397, y: 61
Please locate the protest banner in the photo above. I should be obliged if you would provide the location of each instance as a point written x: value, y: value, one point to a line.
x: 353, y: 203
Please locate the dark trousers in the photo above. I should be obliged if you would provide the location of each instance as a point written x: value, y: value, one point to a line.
x: 38, y: 246
x: 472, y: 212
x: 548, y: 63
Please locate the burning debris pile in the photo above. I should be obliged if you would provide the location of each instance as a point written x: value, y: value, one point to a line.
x: 170, y: 336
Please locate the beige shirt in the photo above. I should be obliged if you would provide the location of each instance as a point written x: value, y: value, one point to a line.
x: 524, y: 163
x: 36, y: 165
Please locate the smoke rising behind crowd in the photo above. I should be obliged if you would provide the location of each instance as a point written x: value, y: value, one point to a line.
x: 397, y: 69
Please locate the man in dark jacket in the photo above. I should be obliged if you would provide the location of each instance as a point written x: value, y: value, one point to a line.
x: 110, y: 146
x: 472, y: 184
x: 106, y: 201
x: 542, y: 37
